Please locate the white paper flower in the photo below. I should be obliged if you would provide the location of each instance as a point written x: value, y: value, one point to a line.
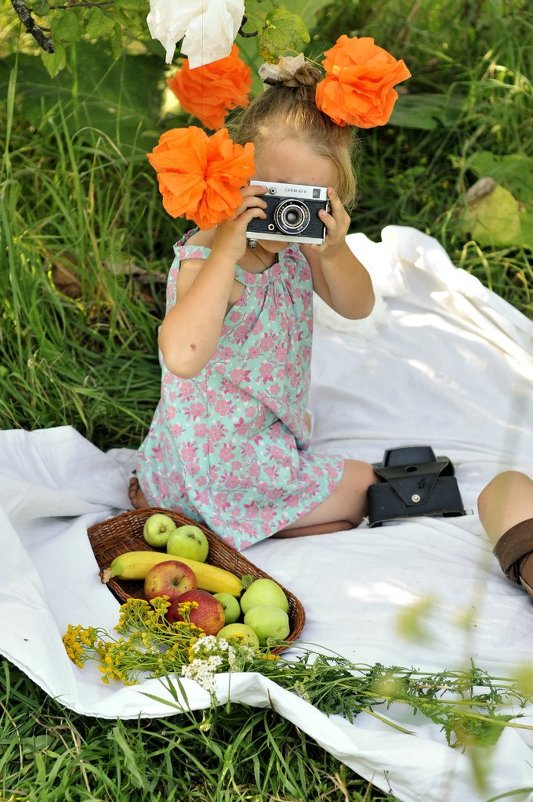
x: 207, y: 27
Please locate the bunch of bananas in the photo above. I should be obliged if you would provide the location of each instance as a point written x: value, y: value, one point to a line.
x: 136, y: 564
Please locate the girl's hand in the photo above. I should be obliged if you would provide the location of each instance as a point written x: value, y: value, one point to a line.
x: 337, y: 222
x: 230, y: 236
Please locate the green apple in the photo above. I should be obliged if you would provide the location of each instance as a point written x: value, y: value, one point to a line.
x: 268, y: 623
x: 232, y: 608
x: 264, y: 593
x: 188, y: 541
x: 157, y: 529
x: 241, y: 634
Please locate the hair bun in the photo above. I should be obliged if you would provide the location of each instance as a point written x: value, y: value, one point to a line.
x: 293, y: 71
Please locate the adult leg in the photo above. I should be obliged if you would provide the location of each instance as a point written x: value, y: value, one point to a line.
x: 345, y: 508
x: 505, y: 509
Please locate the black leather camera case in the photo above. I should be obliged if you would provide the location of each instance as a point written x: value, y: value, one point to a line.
x: 414, y: 482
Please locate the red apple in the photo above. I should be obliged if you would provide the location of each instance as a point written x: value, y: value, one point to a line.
x: 209, y: 615
x: 169, y: 578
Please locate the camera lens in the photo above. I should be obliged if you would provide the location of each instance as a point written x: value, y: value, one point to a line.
x: 291, y: 216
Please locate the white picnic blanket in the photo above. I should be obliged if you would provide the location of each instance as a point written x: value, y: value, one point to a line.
x: 442, y: 361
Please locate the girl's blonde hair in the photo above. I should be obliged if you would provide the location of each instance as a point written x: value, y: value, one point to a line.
x: 290, y: 110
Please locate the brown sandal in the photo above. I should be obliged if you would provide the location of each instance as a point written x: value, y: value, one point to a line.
x: 315, y: 529
x: 513, y: 550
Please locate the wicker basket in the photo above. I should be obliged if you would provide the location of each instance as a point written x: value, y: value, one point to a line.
x: 124, y: 533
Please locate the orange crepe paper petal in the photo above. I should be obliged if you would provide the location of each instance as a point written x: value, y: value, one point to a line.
x: 200, y: 176
x: 357, y: 89
x: 211, y: 91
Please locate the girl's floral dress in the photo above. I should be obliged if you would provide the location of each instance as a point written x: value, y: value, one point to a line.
x: 229, y: 446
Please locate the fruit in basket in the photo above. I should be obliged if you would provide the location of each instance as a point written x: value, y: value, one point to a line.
x: 268, y: 623
x: 170, y: 578
x: 188, y: 541
x: 208, y: 614
x: 232, y: 608
x: 157, y: 529
x: 242, y: 634
x: 136, y: 564
x: 265, y: 593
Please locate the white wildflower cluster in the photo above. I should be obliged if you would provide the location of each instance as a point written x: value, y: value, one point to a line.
x: 203, y: 671
x: 211, y: 656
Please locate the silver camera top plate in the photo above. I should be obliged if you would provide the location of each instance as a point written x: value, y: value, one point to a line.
x: 302, y: 191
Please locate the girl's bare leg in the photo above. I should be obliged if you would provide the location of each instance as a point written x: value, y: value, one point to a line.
x: 505, y: 508
x: 344, y: 509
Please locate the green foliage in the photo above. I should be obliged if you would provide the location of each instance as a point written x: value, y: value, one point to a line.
x: 427, y: 111
x: 119, y: 25
x: 115, y: 25
x: 80, y: 235
x: 236, y: 754
x: 469, y: 706
x: 493, y: 217
x: 282, y: 31
x: 121, y: 99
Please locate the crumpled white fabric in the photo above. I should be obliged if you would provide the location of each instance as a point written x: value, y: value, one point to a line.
x: 449, y: 365
x: 208, y: 27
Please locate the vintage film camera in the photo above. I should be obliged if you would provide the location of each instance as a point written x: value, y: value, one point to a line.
x: 291, y: 213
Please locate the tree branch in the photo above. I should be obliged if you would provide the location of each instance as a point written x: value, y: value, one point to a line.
x: 243, y: 33
x: 24, y: 14
x: 88, y: 4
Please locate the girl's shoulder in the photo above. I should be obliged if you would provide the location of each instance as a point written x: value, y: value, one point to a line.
x: 201, y: 237
x: 195, y: 244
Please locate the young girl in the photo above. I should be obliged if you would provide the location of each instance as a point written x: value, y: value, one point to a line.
x: 228, y: 444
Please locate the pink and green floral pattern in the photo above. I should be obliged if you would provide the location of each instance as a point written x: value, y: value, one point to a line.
x: 230, y: 446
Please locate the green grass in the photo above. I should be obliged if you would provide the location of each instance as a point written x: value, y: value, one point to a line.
x: 85, y: 247
x: 237, y: 754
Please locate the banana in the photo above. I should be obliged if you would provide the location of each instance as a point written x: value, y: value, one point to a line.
x: 136, y: 564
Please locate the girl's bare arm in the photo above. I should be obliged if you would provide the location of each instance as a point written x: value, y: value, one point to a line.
x: 191, y: 329
x: 338, y: 276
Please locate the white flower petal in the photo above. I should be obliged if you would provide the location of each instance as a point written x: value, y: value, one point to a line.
x: 208, y: 27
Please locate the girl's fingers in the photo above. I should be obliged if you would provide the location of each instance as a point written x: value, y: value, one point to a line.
x: 253, y: 190
x: 250, y: 200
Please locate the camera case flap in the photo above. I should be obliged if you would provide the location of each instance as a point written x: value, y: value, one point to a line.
x: 414, y: 482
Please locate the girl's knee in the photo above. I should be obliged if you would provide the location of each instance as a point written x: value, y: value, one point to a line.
x: 357, y: 478
x: 360, y: 473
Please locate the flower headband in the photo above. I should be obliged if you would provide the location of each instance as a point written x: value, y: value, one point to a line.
x: 200, y: 177
x: 358, y: 86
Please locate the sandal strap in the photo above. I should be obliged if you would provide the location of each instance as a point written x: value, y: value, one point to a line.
x: 317, y: 529
x: 513, y: 545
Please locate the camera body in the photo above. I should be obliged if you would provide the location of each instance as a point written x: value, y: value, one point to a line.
x: 291, y: 213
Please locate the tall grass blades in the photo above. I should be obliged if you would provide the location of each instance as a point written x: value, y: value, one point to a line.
x: 82, y: 278
x: 470, y: 93
x: 238, y: 754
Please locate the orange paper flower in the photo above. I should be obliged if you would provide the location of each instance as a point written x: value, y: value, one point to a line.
x: 357, y: 89
x: 199, y: 175
x: 209, y: 92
